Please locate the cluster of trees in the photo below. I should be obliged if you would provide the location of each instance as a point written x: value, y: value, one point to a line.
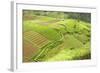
x: 60, y: 15
x: 80, y: 16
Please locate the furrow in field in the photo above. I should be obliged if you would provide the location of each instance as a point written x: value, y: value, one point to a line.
x: 36, y: 38
x: 33, y: 34
x: 28, y: 50
x: 28, y: 40
x: 38, y: 42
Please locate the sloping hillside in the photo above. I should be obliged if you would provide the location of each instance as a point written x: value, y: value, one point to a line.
x: 50, y: 39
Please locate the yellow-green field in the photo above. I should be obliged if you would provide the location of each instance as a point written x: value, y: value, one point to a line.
x: 51, y: 38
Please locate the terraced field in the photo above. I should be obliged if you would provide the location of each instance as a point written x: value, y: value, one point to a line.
x: 47, y: 38
x: 33, y: 41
